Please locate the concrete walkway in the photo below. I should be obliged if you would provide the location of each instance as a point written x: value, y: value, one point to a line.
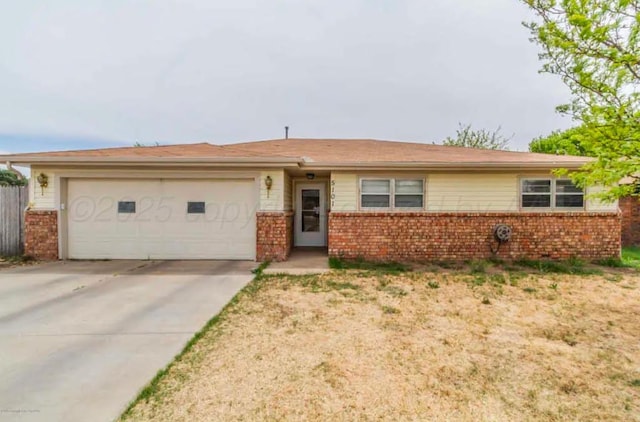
x: 302, y: 261
x: 78, y: 340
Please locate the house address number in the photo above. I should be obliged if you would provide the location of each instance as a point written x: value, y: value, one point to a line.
x: 333, y: 193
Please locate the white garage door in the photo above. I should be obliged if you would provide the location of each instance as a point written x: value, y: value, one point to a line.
x: 161, y: 219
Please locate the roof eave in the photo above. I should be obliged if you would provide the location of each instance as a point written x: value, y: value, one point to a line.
x: 442, y: 166
x: 116, y: 161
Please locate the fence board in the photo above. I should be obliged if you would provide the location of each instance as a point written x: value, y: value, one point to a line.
x: 13, y: 201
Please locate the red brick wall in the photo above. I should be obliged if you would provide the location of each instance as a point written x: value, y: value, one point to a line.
x: 274, y: 236
x: 41, y: 234
x: 461, y: 236
x: 630, y: 207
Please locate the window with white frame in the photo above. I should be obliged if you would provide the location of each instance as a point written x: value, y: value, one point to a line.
x: 550, y: 193
x: 392, y: 193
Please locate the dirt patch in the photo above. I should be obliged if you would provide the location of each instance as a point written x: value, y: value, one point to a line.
x: 364, y: 345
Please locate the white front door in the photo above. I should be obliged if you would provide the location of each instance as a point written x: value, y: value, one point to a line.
x: 311, y: 215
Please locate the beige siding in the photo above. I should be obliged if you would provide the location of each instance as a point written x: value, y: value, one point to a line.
x: 445, y: 192
x: 472, y: 192
x: 272, y: 200
x: 288, y: 192
x: 42, y: 199
x: 595, y: 205
x: 343, y: 192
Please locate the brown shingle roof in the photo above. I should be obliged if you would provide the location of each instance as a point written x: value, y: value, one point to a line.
x: 202, y: 149
x: 311, y: 152
x: 376, y: 151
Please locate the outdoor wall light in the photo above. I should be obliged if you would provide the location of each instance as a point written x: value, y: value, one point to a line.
x: 43, y: 181
x: 268, y: 182
x: 311, y: 176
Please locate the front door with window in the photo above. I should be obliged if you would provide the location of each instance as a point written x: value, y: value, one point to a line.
x: 311, y: 215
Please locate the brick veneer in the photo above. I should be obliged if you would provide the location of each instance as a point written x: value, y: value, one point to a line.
x: 458, y: 236
x: 41, y: 234
x: 630, y: 207
x: 274, y: 236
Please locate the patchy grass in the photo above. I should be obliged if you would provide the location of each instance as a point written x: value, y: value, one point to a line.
x: 571, y: 266
x: 212, y: 328
x: 630, y: 259
x: 360, y: 264
x: 12, y: 261
x: 361, y: 345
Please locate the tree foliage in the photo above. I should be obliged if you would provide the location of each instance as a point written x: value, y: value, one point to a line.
x: 466, y: 136
x: 572, y: 141
x: 9, y: 178
x: 593, y: 46
x: 140, y: 144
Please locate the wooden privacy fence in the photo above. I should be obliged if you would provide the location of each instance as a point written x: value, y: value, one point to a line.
x: 13, y: 201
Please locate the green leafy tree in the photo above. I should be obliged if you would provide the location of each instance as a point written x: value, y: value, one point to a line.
x: 593, y: 46
x: 8, y: 178
x: 466, y: 136
x: 572, y: 141
x: 140, y: 144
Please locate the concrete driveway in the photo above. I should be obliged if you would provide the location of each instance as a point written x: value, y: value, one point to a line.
x: 78, y: 340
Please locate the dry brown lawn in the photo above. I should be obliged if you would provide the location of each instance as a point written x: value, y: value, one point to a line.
x: 365, y: 345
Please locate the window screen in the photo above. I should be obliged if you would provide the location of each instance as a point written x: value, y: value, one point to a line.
x: 409, y: 194
x: 568, y: 195
x: 548, y: 193
x: 196, y: 208
x: 536, y: 193
x: 376, y: 193
x: 392, y: 193
x: 126, y: 207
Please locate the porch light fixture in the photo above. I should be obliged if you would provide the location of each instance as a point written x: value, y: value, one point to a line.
x: 311, y: 176
x: 268, y: 182
x: 43, y: 181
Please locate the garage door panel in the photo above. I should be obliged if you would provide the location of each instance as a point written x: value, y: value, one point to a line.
x: 161, y: 227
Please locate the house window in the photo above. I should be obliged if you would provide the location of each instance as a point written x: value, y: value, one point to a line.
x: 409, y: 194
x: 568, y: 195
x: 126, y: 207
x: 195, y: 208
x: 551, y: 193
x: 392, y: 193
x: 536, y: 193
x: 376, y: 193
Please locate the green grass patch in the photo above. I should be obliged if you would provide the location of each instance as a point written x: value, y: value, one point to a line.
x: 450, y: 264
x: 478, y: 266
x: 631, y: 257
x: 610, y: 262
x: 393, y: 291
x: 342, y: 285
x: 361, y: 264
x: 571, y: 266
x: 390, y: 310
x: 313, y: 282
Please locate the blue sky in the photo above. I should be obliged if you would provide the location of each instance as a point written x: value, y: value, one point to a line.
x: 106, y: 73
